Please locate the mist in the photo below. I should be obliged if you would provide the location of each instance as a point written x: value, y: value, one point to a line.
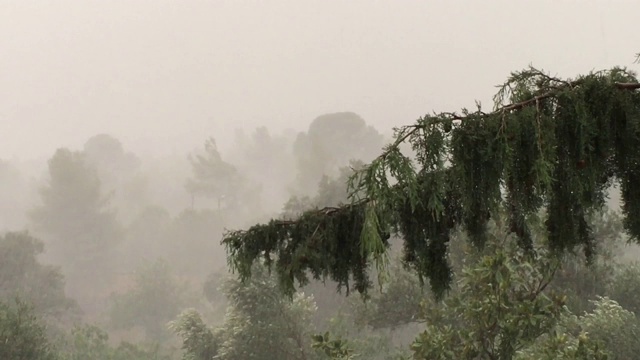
x: 158, y: 74
x: 135, y: 134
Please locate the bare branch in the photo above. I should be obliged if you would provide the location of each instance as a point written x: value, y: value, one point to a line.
x: 628, y: 86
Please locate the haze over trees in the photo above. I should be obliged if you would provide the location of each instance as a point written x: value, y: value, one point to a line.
x: 330, y: 143
x: 472, y: 235
x: 81, y: 229
x: 118, y: 172
x: 213, y: 177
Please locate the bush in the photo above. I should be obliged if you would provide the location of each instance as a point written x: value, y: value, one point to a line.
x: 22, y: 335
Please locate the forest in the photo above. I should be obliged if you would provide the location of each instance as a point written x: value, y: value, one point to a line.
x: 503, y: 233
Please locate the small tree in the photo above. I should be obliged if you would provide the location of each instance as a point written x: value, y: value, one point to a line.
x: 608, y: 332
x: 260, y: 323
x: 213, y: 177
x: 199, y: 342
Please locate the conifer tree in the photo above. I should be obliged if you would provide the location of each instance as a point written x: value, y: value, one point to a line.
x: 550, y: 148
x: 212, y: 176
x: 79, y: 226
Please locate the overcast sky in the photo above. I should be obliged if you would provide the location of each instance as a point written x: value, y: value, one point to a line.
x: 163, y: 75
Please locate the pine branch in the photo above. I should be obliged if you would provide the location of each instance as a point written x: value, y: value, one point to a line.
x: 504, y: 109
x: 325, y: 211
x: 350, y: 233
x: 412, y: 129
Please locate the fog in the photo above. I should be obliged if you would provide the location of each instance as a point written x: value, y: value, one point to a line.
x: 158, y: 74
x: 134, y: 133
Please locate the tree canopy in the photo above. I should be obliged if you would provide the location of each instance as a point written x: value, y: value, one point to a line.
x: 550, y: 149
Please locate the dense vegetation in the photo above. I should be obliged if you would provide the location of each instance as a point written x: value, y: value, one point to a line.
x: 504, y: 214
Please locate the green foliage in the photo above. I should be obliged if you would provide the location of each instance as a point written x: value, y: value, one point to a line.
x: 155, y: 299
x: 625, y: 287
x: 331, y: 194
x: 301, y: 252
x: 129, y: 351
x: 260, y: 323
x: 21, y: 274
x: 332, y: 191
x: 364, y: 342
x: 616, y: 328
x: 561, y: 346
x: 503, y: 306
x: 22, y: 334
x: 498, y: 307
x: 399, y: 301
x: 397, y: 304
x: 198, y: 341
x: 583, y: 280
x: 335, y: 349
x: 556, y: 146
x: 89, y: 342
x: 609, y: 332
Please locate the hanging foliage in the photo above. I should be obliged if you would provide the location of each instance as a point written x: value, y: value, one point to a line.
x: 550, y: 145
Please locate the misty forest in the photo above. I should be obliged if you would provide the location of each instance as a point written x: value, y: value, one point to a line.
x: 509, y: 230
x: 498, y: 234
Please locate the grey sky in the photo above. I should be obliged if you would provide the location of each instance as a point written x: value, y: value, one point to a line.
x: 163, y: 75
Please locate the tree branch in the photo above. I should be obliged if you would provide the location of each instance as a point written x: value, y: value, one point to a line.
x: 325, y: 211
x: 628, y: 86
x: 409, y: 130
x: 506, y: 108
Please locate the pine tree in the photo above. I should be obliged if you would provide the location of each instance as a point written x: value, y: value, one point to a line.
x: 80, y: 228
x: 550, y: 148
x: 212, y: 176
